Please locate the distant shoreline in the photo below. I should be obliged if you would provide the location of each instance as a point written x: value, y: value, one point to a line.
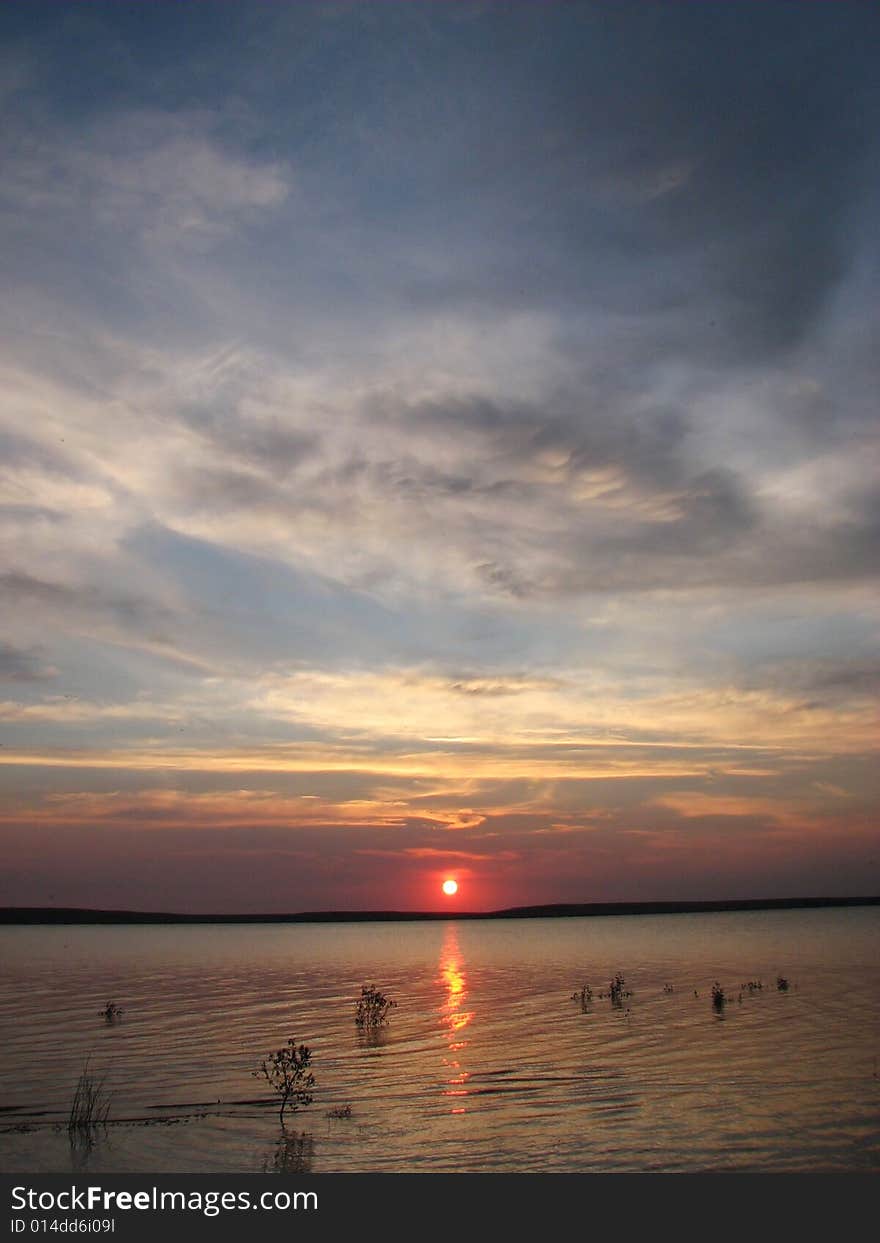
x: 74, y: 915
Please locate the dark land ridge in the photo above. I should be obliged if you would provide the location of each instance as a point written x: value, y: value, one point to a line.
x: 76, y: 915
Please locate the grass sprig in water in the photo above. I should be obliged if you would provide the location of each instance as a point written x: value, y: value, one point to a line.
x: 90, y: 1106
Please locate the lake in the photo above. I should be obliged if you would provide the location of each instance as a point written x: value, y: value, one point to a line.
x: 486, y: 1062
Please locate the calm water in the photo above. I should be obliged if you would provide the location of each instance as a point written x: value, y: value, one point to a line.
x: 486, y: 1063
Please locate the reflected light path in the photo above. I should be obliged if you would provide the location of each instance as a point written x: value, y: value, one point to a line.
x: 454, y: 1017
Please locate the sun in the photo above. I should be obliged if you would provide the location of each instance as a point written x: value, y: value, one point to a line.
x: 450, y: 887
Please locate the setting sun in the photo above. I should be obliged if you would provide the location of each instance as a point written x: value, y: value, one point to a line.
x: 450, y: 887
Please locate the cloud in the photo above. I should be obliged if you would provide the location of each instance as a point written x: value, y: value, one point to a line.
x: 561, y: 504
x: 845, y: 680
x: 449, y: 856
x: 23, y: 665
x: 165, y: 173
x: 132, y: 615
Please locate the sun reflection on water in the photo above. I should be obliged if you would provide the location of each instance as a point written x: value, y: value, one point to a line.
x: 454, y: 1017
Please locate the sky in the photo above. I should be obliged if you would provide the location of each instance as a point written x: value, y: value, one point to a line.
x: 438, y: 440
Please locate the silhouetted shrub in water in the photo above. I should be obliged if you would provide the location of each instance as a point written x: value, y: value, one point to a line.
x: 617, y: 990
x: 341, y: 1111
x: 782, y: 984
x: 372, y: 1009
x: 667, y: 988
x: 287, y: 1073
x: 718, y: 998
x: 112, y: 1012
x: 584, y: 996
x: 90, y: 1106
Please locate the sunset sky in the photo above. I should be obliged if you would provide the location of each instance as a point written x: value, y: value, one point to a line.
x: 438, y: 440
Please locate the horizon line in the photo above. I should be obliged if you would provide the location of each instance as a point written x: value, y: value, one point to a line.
x: 89, y: 915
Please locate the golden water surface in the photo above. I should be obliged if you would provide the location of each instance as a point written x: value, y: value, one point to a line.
x: 486, y: 1062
